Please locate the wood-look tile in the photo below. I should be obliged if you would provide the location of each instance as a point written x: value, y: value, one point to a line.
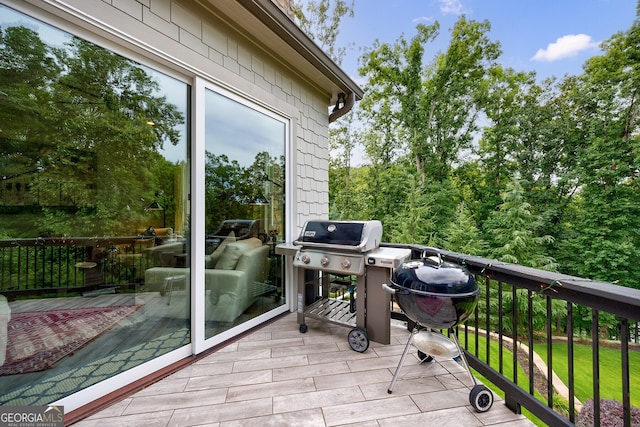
x: 229, y: 380
x: 373, y: 363
x: 329, y: 382
x: 369, y: 410
x: 279, y: 377
x: 233, y: 356
x: 113, y: 411
x: 318, y: 370
x: 197, y: 370
x: 441, y: 399
x: 291, y: 389
x: 147, y: 404
x: 253, y: 345
x: 498, y: 414
x: 451, y: 382
x: 304, y: 349
x: 159, y: 418
x: 306, y: 418
x: 345, y: 354
x: 402, y: 388
x: 453, y: 417
x: 370, y: 423
x: 207, y: 415
x: 270, y: 363
x: 166, y: 386
x: 317, y: 399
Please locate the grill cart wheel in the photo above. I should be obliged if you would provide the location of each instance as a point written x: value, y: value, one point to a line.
x: 303, y: 328
x: 481, y: 398
x: 358, y: 340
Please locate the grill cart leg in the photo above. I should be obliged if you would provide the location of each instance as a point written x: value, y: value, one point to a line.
x: 404, y: 356
x: 480, y: 397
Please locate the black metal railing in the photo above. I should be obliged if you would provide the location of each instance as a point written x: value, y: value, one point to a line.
x: 573, y: 310
x: 42, y: 266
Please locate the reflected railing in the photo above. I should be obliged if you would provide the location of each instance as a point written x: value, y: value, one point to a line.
x: 67, y: 266
x: 549, y: 308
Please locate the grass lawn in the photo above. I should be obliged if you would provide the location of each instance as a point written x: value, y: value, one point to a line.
x: 507, y: 369
x: 610, y: 370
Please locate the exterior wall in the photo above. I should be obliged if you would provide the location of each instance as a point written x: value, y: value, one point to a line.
x: 216, y: 51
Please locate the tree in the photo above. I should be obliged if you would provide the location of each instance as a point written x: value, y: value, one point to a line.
x: 513, y: 229
x: 321, y: 20
x: 95, y: 125
x: 605, y: 220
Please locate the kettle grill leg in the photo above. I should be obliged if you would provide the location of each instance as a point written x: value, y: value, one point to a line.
x: 404, y: 356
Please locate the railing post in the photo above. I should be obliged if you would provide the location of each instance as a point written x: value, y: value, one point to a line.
x: 595, y: 342
x: 624, y: 355
x: 572, y: 407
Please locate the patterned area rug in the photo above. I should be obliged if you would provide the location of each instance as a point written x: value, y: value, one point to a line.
x: 37, y: 340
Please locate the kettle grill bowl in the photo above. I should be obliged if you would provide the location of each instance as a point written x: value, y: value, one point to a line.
x: 436, y: 311
x: 436, y: 294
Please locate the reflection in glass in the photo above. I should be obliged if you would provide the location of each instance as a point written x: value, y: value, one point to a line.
x: 244, y: 179
x: 90, y: 143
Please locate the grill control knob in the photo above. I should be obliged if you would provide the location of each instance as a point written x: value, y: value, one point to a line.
x: 346, y: 263
x: 305, y: 259
x: 324, y: 261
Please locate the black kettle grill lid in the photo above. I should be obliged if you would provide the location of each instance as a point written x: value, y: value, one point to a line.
x: 433, y: 275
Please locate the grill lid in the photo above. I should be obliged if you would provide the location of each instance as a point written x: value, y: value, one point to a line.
x: 432, y: 276
x: 361, y: 236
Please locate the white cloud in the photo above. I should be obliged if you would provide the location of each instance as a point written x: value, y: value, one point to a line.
x: 451, y: 6
x: 423, y: 19
x: 565, y: 47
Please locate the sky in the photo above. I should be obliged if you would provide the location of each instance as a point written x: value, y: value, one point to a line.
x: 550, y: 37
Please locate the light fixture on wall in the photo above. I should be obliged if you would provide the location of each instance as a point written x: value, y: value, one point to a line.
x: 341, y: 101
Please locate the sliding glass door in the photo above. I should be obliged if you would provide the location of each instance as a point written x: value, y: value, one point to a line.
x: 244, y: 181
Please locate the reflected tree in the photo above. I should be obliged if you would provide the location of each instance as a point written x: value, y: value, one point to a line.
x: 82, y: 128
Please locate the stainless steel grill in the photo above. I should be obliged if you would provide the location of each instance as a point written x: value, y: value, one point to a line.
x: 341, y: 268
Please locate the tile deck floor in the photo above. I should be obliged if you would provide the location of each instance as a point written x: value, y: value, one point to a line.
x: 276, y: 376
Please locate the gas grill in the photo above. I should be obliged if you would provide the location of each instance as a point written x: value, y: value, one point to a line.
x: 340, y: 271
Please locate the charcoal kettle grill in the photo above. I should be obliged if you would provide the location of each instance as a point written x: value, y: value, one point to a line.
x: 437, y: 295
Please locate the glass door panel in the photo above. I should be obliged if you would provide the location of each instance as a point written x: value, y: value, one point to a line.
x: 244, y: 211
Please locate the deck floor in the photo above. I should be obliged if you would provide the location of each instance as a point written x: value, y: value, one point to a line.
x: 276, y: 376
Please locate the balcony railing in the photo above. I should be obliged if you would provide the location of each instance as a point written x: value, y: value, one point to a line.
x: 43, y: 266
x: 507, y: 297
x: 505, y: 315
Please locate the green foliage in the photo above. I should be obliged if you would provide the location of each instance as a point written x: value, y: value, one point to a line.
x: 321, y: 20
x: 548, y: 171
x: 513, y: 227
x: 462, y: 234
x: 87, y: 150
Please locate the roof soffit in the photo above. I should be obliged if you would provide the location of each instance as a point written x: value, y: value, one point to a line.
x: 266, y: 25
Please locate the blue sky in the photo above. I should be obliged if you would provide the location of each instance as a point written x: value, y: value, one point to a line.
x: 551, y: 37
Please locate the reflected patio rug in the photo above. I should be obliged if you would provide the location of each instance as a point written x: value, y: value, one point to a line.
x: 37, y: 340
